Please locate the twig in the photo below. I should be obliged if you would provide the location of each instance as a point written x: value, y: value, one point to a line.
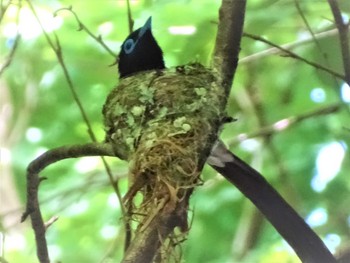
x: 3, y: 9
x: 315, y: 39
x: 288, y: 46
x: 284, y: 124
x: 33, y: 181
x: 58, y: 51
x: 50, y: 222
x: 343, y: 37
x: 313, y: 35
x: 84, y: 28
x: 228, y: 39
x: 9, y: 58
x: 295, y: 56
x: 84, y: 188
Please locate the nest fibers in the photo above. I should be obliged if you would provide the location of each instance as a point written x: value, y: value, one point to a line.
x: 165, y: 123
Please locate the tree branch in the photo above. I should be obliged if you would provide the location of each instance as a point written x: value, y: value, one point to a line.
x: 284, y: 124
x: 343, y: 37
x: 295, y: 56
x: 9, y: 58
x: 287, y: 46
x: 87, y: 30
x: 148, y: 240
x: 56, y: 47
x: 33, y: 181
x: 228, y: 39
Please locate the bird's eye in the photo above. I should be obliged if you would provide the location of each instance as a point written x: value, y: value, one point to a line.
x: 129, y: 46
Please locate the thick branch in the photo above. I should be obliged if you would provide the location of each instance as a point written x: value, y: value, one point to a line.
x: 306, y: 244
x: 228, y: 39
x: 343, y: 37
x: 148, y: 240
x: 65, y: 152
x: 33, y: 181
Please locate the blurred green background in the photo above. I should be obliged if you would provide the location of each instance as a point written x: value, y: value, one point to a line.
x: 307, y: 162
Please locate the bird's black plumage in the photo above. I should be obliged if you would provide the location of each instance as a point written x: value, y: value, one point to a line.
x: 140, y: 52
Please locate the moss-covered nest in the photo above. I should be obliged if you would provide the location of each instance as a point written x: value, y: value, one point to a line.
x: 164, y: 123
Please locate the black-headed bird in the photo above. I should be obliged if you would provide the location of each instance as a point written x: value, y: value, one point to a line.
x: 140, y: 52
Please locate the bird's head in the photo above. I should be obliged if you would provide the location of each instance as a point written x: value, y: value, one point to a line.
x: 140, y: 52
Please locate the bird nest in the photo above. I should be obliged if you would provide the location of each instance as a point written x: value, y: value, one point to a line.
x: 164, y: 123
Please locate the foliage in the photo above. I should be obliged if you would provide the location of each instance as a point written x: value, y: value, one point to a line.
x: 268, y: 87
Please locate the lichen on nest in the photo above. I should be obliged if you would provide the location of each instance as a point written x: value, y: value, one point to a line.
x: 165, y: 123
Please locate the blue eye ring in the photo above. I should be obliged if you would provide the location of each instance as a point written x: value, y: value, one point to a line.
x: 129, y: 46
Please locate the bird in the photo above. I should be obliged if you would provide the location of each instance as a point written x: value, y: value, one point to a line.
x: 140, y: 52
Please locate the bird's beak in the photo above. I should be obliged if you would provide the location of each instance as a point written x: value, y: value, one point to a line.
x: 147, y: 26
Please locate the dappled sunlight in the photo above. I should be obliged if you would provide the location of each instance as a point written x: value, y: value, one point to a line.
x: 34, y: 134
x: 317, y: 217
x: 182, y: 30
x: 318, y: 95
x: 87, y: 164
x: 332, y: 241
x: 30, y: 29
x: 345, y: 92
x: 328, y: 164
